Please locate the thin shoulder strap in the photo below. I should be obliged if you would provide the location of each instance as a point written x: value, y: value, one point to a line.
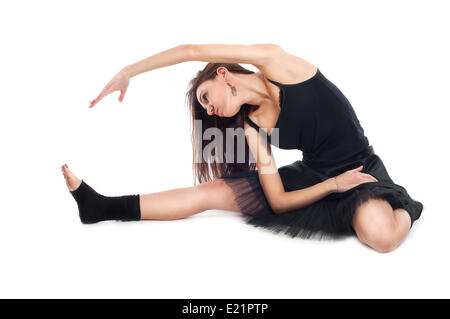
x: 253, y: 124
x: 275, y: 82
x: 261, y: 132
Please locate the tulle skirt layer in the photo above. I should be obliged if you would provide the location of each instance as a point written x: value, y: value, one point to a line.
x: 330, y: 217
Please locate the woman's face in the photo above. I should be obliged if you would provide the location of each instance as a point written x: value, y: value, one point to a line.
x: 215, y: 96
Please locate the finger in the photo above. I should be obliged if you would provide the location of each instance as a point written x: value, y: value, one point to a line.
x: 371, y: 177
x: 370, y: 180
x: 96, y: 100
x: 102, y: 93
x: 358, y: 168
x: 93, y: 103
x: 122, y: 95
x: 364, y: 175
x: 107, y: 90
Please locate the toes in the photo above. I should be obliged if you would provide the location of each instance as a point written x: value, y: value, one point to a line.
x: 70, y: 174
x: 72, y: 181
x: 66, y: 171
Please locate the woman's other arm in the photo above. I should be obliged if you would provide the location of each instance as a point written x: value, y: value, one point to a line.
x: 279, y: 200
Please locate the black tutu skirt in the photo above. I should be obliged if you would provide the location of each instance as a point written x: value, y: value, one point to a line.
x: 330, y: 217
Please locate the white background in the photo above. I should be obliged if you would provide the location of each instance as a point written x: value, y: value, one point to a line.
x: 389, y: 58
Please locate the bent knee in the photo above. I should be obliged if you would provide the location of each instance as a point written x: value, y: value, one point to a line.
x: 381, y: 241
x: 213, y: 189
x: 217, y: 195
x: 374, y: 225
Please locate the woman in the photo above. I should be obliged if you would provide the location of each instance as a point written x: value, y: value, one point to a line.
x: 339, y: 188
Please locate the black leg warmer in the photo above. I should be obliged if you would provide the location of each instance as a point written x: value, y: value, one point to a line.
x: 94, y: 207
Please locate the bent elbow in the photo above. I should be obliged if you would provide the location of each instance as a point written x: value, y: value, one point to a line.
x: 276, y: 200
x: 276, y: 211
x: 276, y: 206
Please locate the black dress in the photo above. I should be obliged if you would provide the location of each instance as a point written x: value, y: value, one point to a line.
x: 317, y: 119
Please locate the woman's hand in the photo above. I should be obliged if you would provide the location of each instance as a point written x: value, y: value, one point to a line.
x: 119, y: 82
x: 351, y: 178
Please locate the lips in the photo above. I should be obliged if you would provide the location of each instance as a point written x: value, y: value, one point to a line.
x: 217, y: 112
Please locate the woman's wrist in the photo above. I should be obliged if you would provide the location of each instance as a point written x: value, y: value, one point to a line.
x: 128, y: 70
x: 331, y: 185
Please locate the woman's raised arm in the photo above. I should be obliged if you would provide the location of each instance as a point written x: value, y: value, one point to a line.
x: 180, y: 53
x: 257, y: 54
x: 120, y: 82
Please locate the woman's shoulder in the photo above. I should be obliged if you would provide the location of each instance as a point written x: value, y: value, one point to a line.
x: 288, y: 69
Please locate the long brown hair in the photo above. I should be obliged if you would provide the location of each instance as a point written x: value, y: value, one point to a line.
x: 207, y: 169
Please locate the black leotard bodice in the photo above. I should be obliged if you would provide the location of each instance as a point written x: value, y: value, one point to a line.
x: 316, y: 118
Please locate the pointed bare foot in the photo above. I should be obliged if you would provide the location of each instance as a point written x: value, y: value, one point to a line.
x: 72, y: 181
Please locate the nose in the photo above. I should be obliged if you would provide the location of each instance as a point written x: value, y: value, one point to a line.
x: 211, y: 110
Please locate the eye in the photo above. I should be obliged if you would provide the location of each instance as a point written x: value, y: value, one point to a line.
x: 205, y: 97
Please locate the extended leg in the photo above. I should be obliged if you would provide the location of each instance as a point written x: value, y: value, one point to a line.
x: 379, y: 226
x: 183, y: 202
x: 166, y: 205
